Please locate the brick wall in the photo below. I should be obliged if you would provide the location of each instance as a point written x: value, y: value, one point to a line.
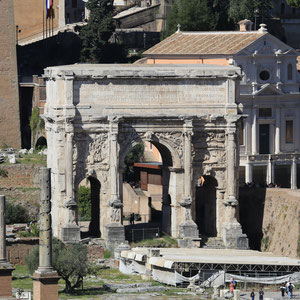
x: 9, y: 98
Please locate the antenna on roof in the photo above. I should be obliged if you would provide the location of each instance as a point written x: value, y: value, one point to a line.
x: 178, y: 27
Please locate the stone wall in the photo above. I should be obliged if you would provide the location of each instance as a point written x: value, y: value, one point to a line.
x: 270, y: 217
x: 9, y: 97
x: 18, y: 250
x: 20, y: 176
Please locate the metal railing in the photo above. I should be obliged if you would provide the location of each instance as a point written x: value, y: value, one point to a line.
x: 134, y: 235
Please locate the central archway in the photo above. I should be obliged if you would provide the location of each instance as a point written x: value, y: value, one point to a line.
x: 151, y: 196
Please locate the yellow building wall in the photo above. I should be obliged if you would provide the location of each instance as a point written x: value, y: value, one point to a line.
x: 29, y: 16
x: 209, y: 61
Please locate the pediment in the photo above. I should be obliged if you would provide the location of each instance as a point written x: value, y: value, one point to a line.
x: 268, y: 90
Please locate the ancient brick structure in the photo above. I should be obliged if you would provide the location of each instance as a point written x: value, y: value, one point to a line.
x: 9, y: 96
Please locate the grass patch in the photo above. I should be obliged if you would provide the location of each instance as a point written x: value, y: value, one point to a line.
x: 164, y: 242
x: 33, y: 159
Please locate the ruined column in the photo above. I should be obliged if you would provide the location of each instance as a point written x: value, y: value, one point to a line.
x: 187, y: 229
x: 294, y: 174
x: 5, y: 267
x: 45, y: 278
x: 277, y: 130
x: 231, y: 229
x: 71, y: 230
x: 115, y: 232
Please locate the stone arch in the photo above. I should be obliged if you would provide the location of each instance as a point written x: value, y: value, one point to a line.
x: 206, y: 205
x: 95, y: 187
x: 41, y: 142
x: 170, y: 160
x: 161, y: 144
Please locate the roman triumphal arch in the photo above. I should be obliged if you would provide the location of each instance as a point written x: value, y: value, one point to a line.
x: 96, y: 113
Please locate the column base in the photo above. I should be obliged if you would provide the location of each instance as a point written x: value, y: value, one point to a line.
x: 114, y: 236
x: 233, y: 237
x: 45, y: 285
x: 70, y: 233
x: 6, y: 270
x: 188, y: 235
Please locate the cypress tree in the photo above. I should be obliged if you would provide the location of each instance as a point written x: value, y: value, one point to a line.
x: 293, y: 3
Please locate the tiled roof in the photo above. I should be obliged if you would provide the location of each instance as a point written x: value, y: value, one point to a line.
x: 205, y: 43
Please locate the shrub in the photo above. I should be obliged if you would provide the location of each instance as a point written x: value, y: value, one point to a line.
x: 16, y: 213
x: 84, y: 203
x: 3, y: 173
x: 70, y: 262
x: 34, y: 230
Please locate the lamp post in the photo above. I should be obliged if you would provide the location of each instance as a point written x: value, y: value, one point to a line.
x: 256, y: 15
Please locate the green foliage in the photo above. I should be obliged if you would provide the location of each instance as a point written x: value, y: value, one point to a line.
x: 293, y: 3
x: 34, y: 230
x: 84, y: 203
x: 164, y: 242
x: 135, y: 155
x: 244, y: 9
x: 4, y: 146
x: 107, y: 254
x: 192, y: 15
x: 95, y: 35
x: 70, y: 262
x: 35, y: 120
x: 16, y: 213
x: 3, y: 173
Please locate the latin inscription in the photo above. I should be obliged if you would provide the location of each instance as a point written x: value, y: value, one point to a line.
x: 154, y: 93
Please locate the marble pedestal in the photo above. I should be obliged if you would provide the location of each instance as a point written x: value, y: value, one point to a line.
x: 189, y: 235
x: 233, y: 237
x: 6, y: 270
x: 45, y: 286
x: 70, y: 233
x: 114, y: 236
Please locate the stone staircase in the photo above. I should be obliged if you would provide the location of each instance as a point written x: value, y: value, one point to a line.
x: 213, y: 243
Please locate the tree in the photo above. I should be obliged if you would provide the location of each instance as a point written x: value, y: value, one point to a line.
x: 70, y: 262
x: 192, y: 15
x: 84, y: 203
x: 135, y: 155
x: 95, y: 35
x: 244, y: 9
x: 293, y: 3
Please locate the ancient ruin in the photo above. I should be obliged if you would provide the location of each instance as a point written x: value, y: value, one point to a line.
x: 96, y: 113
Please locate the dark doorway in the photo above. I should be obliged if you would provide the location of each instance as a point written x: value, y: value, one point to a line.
x: 264, y: 139
x: 206, y: 212
x: 283, y: 176
x: 41, y: 143
x: 89, y: 207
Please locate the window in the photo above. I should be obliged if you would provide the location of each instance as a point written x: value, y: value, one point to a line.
x: 74, y: 3
x: 290, y: 72
x: 265, y: 112
x: 289, y: 134
x: 241, y: 133
x: 264, y: 75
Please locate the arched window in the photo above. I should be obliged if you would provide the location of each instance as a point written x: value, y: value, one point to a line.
x: 290, y: 72
x: 282, y: 8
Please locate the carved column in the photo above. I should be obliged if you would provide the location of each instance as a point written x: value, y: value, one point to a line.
x: 248, y: 171
x: 71, y: 230
x: 115, y: 233
x: 231, y: 229
x: 187, y: 229
x: 254, y: 131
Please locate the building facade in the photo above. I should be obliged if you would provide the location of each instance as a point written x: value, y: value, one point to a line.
x: 269, y: 95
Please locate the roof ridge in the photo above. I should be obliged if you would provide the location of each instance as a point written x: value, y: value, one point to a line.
x: 222, y: 32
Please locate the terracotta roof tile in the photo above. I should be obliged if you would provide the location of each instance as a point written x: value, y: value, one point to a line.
x: 204, y: 43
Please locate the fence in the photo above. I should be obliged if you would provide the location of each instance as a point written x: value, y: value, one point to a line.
x: 134, y: 235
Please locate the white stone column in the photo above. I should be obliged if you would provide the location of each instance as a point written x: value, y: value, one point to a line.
x: 294, y: 174
x: 71, y: 230
x: 115, y: 201
x: 277, y: 130
x: 270, y: 171
x: 247, y: 137
x: 248, y: 171
x: 187, y: 229
x: 232, y: 234
x: 254, y: 131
